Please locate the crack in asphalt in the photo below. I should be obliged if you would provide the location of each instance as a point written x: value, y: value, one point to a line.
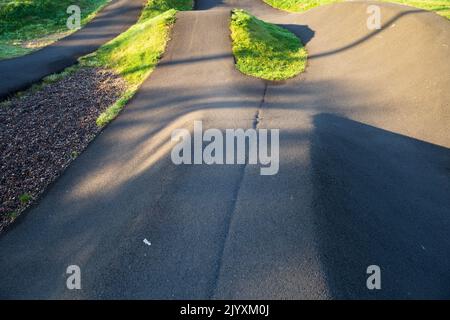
x: 256, y: 121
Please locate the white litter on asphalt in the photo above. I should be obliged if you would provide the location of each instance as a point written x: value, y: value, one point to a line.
x: 147, y: 242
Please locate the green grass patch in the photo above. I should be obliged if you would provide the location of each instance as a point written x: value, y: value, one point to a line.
x: 38, y: 86
x: 12, y: 215
x: 135, y: 52
x: 265, y: 50
x: 441, y: 7
x: 26, y: 25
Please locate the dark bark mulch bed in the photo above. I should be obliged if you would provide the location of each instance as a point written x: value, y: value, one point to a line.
x: 42, y: 132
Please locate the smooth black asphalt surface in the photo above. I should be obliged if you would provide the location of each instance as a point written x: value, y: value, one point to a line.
x: 364, y: 173
x: 19, y: 73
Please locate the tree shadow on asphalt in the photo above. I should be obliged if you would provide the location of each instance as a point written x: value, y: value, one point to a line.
x: 304, y: 32
x: 380, y: 198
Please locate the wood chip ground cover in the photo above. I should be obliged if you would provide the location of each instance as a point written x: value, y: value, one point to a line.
x: 41, y: 132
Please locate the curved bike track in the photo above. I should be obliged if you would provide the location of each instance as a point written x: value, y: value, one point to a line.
x: 364, y: 173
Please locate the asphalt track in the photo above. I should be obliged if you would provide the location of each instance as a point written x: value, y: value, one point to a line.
x: 364, y: 173
x: 20, y: 73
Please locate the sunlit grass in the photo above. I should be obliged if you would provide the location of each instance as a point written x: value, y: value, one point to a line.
x: 265, y: 50
x: 135, y: 53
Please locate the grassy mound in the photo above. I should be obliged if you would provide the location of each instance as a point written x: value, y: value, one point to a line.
x: 265, y: 50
